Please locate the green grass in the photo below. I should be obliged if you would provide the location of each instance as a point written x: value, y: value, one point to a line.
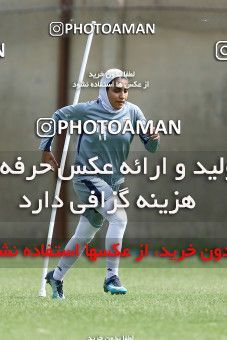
x: 162, y: 303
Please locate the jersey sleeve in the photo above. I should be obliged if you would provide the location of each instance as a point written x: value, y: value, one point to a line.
x: 70, y: 112
x: 150, y: 144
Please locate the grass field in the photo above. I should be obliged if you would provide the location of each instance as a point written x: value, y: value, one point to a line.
x: 162, y: 303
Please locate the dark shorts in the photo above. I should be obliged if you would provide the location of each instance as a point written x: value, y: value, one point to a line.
x: 83, y: 187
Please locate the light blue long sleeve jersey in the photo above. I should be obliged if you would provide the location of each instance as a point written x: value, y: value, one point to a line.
x: 114, y: 148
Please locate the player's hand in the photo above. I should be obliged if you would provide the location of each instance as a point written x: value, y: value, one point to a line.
x: 48, y: 157
x: 154, y: 136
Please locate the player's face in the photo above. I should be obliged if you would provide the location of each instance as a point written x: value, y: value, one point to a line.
x: 118, y: 93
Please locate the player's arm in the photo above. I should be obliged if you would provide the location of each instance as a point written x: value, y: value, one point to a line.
x: 70, y: 112
x: 151, y: 140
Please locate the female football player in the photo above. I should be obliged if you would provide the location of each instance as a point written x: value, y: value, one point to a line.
x: 111, y: 104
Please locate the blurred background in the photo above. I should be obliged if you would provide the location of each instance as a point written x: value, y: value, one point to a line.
x: 186, y: 82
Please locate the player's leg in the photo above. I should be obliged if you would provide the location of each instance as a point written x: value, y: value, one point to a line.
x: 84, y: 233
x: 115, y: 233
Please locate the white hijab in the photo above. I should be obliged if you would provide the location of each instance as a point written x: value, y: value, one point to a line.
x: 105, y: 80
